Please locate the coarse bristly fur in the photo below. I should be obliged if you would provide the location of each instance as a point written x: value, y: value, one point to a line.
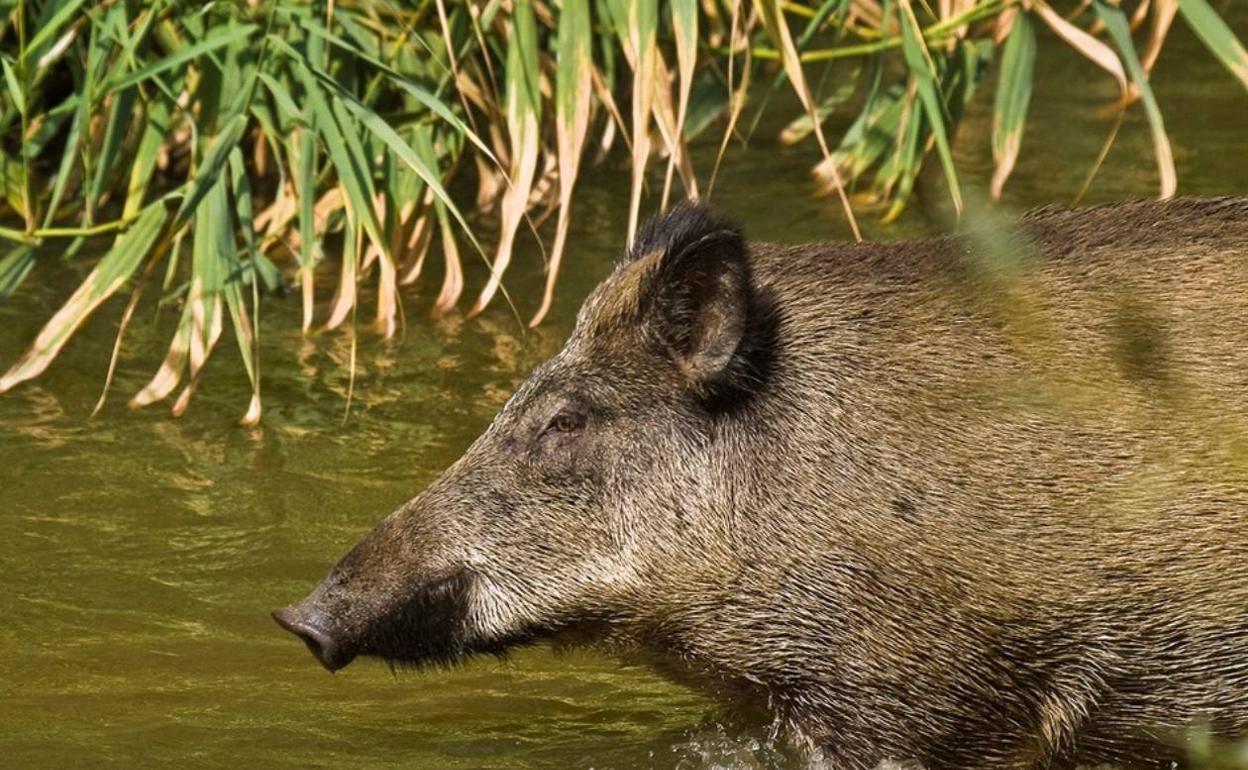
x: 970, y: 502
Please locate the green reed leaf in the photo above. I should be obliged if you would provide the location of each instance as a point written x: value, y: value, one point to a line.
x: 210, y: 167
x: 1009, y: 115
x: 16, y: 92
x: 1119, y: 30
x: 217, y: 38
x: 1217, y: 36
x: 923, y: 71
x: 109, y: 274
x: 55, y: 16
x: 422, y: 95
x: 14, y: 268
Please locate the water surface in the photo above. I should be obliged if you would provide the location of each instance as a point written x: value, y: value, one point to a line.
x: 142, y: 554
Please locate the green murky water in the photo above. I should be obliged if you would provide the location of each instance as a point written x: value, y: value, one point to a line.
x: 141, y: 554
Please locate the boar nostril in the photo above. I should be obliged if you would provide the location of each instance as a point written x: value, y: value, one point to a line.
x: 331, y: 653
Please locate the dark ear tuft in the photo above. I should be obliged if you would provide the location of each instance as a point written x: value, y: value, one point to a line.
x: 674, y: 229
x: 699, y: 297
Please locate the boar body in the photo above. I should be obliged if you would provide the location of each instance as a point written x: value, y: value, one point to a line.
x: 976, y: 501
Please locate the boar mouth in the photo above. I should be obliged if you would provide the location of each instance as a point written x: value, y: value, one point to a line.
x: 427, y: 627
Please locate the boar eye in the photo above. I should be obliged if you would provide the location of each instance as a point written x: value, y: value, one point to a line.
x: 565, y: 422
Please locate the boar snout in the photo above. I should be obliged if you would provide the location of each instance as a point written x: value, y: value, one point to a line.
x: 397, y: 595
x: 402, y: 618
x: 318, y: 633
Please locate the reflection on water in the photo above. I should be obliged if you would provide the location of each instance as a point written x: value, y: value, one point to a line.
x: 142, y: 554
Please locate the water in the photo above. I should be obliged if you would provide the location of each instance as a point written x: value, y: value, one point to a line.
x: 142, y: 554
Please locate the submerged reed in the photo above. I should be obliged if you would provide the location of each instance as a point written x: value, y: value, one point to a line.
x: 253, y: 132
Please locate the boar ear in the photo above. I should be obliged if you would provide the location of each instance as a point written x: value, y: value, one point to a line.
x: 700, y: 297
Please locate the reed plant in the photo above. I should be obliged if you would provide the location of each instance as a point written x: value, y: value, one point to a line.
x: 229, y: 149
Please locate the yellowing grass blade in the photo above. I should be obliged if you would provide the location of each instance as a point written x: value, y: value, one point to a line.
x: 603, y: 91
x: 573, y: 89
x: 126, y: 315
x: 1164, y: 12
x: 241, y: 321
x: 802, y: 125
x: 637, y: 33
x: 1217, y: 36
x: 1097, y: 52
x: 453, y: 61
x: 417, y: 245
x: 738, y: 37
x: 453, y: 279
x: 428, y: 173
x: 422, y: 234
x: 345, y: 299
x: 199, y: 328
x: 350, y: 161
x: 778, y: 30
x: 358, y: 195
x: 685, y: 31
x: 302, y: 150
x: 666, y: 120
x: 212, y: 249
x: 523, y: 124
x: 50, y: 26
x: 1009, y: 116
x: 109, y: 275
x: 170, y: 371
x: 387, y: 296
x: 309, y: 254
x: 1116, y: 25
x: 422, y: 229
x: 247, y: 338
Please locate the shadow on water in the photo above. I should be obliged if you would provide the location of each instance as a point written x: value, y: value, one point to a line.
x: 142, y: 554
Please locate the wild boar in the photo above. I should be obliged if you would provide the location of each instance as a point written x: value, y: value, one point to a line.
x: 973, y: 502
